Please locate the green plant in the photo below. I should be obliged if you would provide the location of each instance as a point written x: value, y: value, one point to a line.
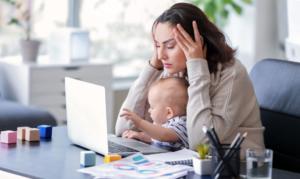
x: 202, y: 150
x: 217, y: 10
x: 23, y: 16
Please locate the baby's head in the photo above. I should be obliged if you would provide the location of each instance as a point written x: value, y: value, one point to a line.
x: 168, y: 98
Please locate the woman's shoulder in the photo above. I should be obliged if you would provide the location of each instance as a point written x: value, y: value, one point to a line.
x: 234, y: 68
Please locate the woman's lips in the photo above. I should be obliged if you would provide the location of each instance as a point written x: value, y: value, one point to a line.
x: 167, y: 65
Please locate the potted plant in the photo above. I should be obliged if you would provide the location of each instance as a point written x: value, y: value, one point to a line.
x: 202, y: 163
x: 29, y: 47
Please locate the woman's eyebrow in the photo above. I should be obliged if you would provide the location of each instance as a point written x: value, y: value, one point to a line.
x: 169, y: 40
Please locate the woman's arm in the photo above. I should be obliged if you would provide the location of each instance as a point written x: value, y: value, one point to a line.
x: 231, y: 103
x: 156, y: 132
x: 137, y: 99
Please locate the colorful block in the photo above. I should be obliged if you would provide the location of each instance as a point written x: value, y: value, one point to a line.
x: 32, y: 134
x: 45, y: 130
x: 8, y: 137
x: 87, y: 158
x: 21, y: 132
x: 111, y: 158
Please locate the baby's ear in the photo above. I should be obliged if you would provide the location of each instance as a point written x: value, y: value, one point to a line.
x: 170, y: 113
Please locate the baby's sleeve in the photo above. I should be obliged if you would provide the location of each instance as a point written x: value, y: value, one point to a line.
x: 178, y: 125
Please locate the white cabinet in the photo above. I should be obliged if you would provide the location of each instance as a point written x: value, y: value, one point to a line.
x: 41, y: 83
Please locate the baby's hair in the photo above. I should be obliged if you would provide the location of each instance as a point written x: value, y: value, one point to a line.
x: 174, y: 91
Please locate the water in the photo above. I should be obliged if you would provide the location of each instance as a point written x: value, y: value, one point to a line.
x: 259, y: 168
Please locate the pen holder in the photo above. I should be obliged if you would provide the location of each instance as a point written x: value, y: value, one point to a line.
x: 227, y: 167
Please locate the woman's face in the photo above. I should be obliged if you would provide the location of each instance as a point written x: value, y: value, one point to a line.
x: 168, y: 51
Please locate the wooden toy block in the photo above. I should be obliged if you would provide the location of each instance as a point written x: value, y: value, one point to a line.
x: 21, y: 132
x: 8, y: 137
x: 32, y: 134
x: 111, y: 158
x: 87, y: 158
x: 45, y: 130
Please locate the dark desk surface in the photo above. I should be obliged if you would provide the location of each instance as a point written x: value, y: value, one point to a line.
x: 56, y: 157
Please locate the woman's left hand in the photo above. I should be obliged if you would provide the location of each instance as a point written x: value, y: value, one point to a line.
x: 192, y: 49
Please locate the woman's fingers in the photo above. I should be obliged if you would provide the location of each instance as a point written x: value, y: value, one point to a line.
x: 196, y: 33
x: 187, y: 37
x: 180, y: 41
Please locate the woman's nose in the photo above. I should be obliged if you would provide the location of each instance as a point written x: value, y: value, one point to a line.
x: 149, y: 110
x: 161, y: 54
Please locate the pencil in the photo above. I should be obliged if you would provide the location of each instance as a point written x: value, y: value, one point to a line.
x: 213, y: 130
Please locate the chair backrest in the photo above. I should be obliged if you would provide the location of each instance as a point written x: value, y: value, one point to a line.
x: 277, y: 88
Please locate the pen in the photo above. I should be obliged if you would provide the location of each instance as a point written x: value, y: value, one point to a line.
x: 213, y: 130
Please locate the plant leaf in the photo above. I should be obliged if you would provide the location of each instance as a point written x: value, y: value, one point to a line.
x: 209, y: 10
x: 236, y: 8
x: 247, y: 1
x: 14, y: 21
x: 10, y: 2
x: 207, y: 155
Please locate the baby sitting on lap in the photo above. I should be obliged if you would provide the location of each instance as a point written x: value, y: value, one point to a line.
x: 168, y: 99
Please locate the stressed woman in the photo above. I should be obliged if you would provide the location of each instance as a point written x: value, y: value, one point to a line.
x: 221, y: 94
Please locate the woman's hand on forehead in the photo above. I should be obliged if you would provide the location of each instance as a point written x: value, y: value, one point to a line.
x: 192, y: 49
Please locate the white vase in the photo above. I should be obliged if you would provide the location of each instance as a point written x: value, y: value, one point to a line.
x: 29, y: 49
x: 202, y: 166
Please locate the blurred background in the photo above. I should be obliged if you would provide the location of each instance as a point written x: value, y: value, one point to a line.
x: 120, y: 30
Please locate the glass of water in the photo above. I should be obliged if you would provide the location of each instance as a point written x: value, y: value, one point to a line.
x: 259, y: 163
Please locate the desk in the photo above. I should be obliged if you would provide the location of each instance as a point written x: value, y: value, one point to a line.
x: 57, y: 158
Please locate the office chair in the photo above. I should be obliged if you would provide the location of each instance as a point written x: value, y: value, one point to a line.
x: 277, y: 88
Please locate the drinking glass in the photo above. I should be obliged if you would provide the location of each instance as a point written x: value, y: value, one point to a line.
x: 259, y: 163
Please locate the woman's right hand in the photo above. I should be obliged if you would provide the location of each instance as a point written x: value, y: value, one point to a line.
x: 155, y: 62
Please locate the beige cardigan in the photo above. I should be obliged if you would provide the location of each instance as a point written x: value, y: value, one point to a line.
x: 225, y: 100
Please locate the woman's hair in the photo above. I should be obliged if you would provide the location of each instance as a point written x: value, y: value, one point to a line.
x: 217, y: 48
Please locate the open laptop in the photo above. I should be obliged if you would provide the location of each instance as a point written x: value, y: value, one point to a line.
x: 87, y: 123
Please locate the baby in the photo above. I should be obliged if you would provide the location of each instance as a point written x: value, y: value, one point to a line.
x: 168, y: 99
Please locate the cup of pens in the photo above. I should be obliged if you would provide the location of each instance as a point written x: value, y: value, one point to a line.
x: 225, y: 158
x: 225, y: 167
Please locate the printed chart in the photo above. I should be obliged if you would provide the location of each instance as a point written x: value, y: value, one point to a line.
x: 134, y: 166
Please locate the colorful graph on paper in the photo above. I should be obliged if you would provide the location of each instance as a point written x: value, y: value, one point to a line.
x: 134, y: 166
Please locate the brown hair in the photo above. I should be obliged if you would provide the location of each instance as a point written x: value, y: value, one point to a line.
x: 174, y: 93
x: 218, y: 49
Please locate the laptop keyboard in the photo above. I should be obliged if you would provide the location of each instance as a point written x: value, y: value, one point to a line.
x: 118, y: 148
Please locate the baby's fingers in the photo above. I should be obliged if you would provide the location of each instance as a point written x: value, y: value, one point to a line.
x: 124, y: 114
x: 124, y: 109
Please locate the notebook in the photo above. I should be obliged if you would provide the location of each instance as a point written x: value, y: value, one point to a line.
x: 181, y: 157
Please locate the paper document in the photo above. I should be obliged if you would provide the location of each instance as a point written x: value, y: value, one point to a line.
x: 181, y: 155
x: 136, y: 166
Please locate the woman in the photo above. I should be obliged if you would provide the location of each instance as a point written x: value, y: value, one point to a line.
x: 221, y: 93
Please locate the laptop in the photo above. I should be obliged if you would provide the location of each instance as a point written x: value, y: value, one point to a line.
x: 87, y: 122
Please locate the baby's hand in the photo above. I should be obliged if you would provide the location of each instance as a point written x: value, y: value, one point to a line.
x: 131, y: 116
x: 132, y: 134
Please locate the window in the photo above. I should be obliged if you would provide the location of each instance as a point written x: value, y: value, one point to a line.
x: 46, y: 16
x: 120, y: 31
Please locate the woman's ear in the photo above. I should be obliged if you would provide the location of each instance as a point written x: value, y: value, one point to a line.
x: 170, y: 113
